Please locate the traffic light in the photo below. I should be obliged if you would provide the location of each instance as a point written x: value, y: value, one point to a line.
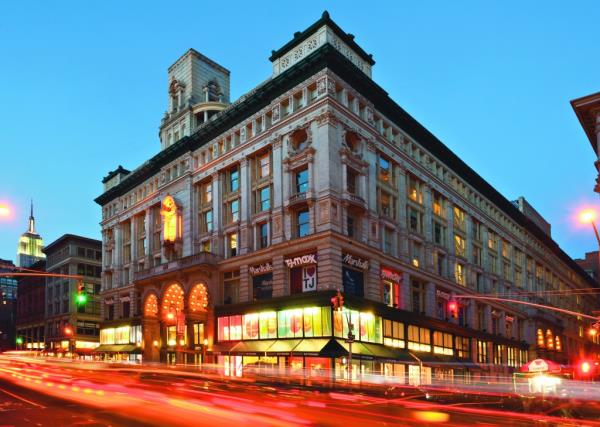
x: 81, y: 297
x: 453, y: 309
x: 19, y: 341
x: 585, y: 367
x: 338, y: 301
x: 68, y: 330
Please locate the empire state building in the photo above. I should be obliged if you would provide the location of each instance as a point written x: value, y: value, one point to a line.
x: 29, y: 249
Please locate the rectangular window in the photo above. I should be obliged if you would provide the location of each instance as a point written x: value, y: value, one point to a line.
x: 234, y: 180
x: 463, y: 347
x: 415, y: 220
x: 206, y: 193
x: 303, y: 223
x: 442, y: 343
x: 439, y: 205
x: 460, y: 247
x: 459, y: 218
x: 233, y: 211
x: 414, y: 189
x: 482, y: 351
x: 264, y: 199
x: 419, y: 339
x: 263, y: 238
x: 439, y: 234
x: 387, y: 204
x: 384, y: 170
x: 207, y: 222
x: 351, y: 180
x: 459, y: 274
x: 232, y: 244
x: 302, y: 181
x: 393, y: 334
x: 264, y: 166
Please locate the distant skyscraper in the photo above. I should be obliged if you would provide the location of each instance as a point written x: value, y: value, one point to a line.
x: 30, y: 245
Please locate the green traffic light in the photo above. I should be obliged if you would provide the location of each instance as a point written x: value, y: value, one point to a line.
x: 19, y: 340
x: 81, y: 299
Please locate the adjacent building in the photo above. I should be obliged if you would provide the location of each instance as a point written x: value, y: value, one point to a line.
x: 230, y: 242
x: 29, y: 248
x: 590, y: 264
x: 30, y: 316
x: 72, y: 328
x: 8, y: 298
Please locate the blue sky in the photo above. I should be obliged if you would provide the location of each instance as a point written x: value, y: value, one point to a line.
x: 83, y: 86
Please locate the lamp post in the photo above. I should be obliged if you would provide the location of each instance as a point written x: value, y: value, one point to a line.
x: 588, y: 216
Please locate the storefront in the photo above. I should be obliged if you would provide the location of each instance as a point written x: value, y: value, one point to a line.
x: 120, y: 343
x: 353, y: 274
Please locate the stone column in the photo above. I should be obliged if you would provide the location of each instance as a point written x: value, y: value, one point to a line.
x: 405, y: 291
x: 280, y: 190
x: 404, y: 255
x: 151, y: 333
x: 329, y: 268
x: 430, y: 299
x: 280, y: 286
x: 217, y: 241
x: 245, y: 198
x: 373, y: 281
x: 245, y: 293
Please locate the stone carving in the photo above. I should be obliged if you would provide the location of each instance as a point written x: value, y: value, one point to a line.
x: 369, y: 117
x: 243, y: 134
x: 321, y: 86
x: 275, y: 114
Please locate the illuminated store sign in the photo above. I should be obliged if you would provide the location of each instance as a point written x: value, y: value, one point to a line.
x: 390, y: 275
x: 171, y: 220
x: 355, y: 262
x: 301, y: 260
x: 261, y: 268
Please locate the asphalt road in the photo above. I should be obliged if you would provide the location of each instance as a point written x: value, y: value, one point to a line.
x: 42, y: 393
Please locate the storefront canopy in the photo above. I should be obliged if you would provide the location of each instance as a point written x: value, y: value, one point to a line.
x: 540, y: 365
x: 117, y: 348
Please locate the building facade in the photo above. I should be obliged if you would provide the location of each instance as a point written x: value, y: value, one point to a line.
x: 229, y: 244
x: 8, y: 299
x: 72, y: 328
x: 30, y: 316
x: 29, y: 248
x: 590, y: 263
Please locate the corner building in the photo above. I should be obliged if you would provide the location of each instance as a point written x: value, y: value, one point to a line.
x: 229, y: 243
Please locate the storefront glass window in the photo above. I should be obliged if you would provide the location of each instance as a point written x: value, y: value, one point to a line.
x: 442, y: 343
x: 393, y: 334
x: 268, y: 325
x: 250, y: 329
x: 419, y: 339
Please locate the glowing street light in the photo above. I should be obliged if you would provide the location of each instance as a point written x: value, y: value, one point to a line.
x: 4, y: 211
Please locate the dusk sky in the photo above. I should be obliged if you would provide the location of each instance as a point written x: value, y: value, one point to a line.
x: 83, y: 86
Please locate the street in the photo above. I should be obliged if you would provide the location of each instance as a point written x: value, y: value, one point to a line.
x: 50, y: 393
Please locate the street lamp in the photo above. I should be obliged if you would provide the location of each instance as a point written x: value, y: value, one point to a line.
x: 588, y: 216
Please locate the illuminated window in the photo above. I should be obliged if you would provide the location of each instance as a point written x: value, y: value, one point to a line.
x: 151, y: 306
x: 557, y: 343
x: 460, y: 246
x: 232, y: 244
x: 393, y: 334
x: 199, y: 298
x: 172, y: 301
x: 442, y: 343
x: 367, y: 327
x: 549, y: 340
x: 459, y: 274
x: 463, y: 347
x: 540, y: 338
x: 439, y: 205
x: 414, y: 189
x: 459, y: 218
x: 419, y: 339
x: 482, y: 351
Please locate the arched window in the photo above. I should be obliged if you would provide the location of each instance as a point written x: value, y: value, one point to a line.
x: 172, y: 300
x: 151, y: 306
x: 199, y: 298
